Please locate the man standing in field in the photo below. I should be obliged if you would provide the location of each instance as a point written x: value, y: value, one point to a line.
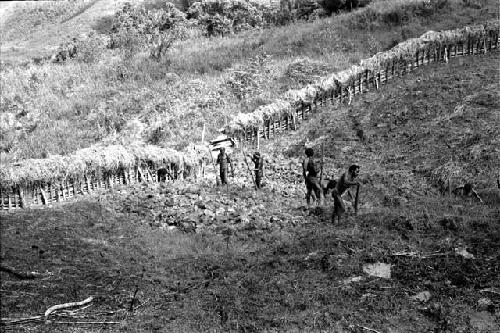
x: 223, y: 160
x: 310, y: 173
x: 258, y: 161
x: 345, y: 182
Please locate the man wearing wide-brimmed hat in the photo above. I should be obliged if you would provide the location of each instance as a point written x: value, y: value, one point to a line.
x: 224, y: 161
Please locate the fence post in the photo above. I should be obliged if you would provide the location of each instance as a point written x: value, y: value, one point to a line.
x: 258, y: 139
x: 21, y: 197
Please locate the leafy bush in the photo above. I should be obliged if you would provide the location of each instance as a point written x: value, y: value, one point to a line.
x: 247, y: 80
x: 305, y: 9
x: 332, y: 6
x: 91, y: 49
x: 134, y: 27
x: 220, y: 17
x: 394, y: 12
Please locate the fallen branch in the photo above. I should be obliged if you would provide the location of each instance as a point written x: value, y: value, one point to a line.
x: 19, y: 274
x: 73, y: 312
x: 143, y: 304
x: 490, y: 290
x: 85, y: 322
x: 368, y: 329
x: 9, y: 321
x: 406, y: 254
x: 66, y: 305
x: 421, y: 256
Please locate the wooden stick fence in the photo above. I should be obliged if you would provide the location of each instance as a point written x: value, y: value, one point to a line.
x: 367, y: 81
x: 47, y: 193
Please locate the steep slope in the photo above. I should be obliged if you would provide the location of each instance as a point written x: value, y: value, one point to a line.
x: 30, y: 29
x: 195, y: 257
x: 436, y: 124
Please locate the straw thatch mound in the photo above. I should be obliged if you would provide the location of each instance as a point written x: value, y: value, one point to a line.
x: 403, y: 52
x: 86, y: 161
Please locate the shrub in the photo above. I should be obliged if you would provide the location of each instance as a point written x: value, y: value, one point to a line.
x: 221, y: 17
x: 91, y: 49
x: 133, y: 27
x: 333, y: 6
x: 246, y: 81
x: 305, y: 9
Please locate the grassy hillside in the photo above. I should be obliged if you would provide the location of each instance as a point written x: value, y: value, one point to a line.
x: 103, y: 94
x: 33, y: 29
x: 193, y: 258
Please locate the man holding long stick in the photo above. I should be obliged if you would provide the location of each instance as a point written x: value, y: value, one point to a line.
x: 258, y: 162
x: 248, y: 167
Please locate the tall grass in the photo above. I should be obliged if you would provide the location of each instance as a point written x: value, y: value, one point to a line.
x: 65, y: 107
x: 30, y: 16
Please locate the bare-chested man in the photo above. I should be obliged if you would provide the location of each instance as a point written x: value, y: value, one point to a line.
x: 258, y: 161
x: 310, y: 173
x: 343, y: 184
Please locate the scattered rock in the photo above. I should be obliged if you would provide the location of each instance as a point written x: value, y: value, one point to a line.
x: 484, y: 303
x: 353, y: 279
x: 423, y: 297
x: 378, y: 270
x: 463, y: 252
x: 274, y: 219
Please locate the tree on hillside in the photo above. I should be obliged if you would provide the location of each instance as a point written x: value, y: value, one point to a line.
x: 135, y: 27
x: 333, y: 6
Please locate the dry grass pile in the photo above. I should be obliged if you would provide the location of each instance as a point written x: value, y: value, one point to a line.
x: 305, y: 71
x: 404, y: 51
x: 84, y: 161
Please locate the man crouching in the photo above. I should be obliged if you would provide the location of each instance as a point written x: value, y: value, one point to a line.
x: 342, y: 186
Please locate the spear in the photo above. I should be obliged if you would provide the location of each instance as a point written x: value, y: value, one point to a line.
x: 321, y: 174
x: 322, y: 162
x: 217, y: 177
x: 356, y: 200
x: 248, y: 167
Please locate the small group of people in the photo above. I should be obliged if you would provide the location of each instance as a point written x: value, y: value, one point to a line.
x: 315, y: 190
x: 224, y: 162
x: 340, y: 188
